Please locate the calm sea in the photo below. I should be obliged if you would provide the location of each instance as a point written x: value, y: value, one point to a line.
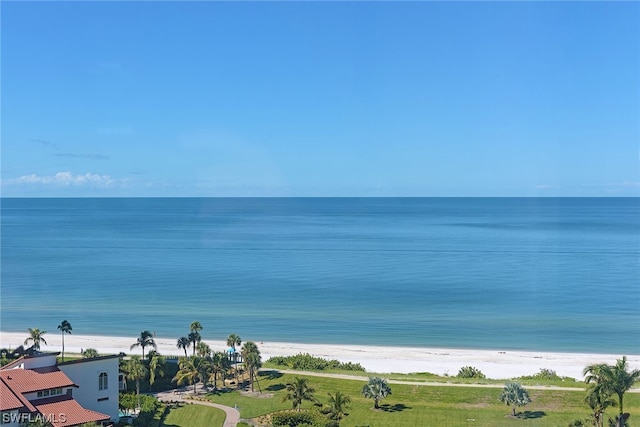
x: 552, y: 274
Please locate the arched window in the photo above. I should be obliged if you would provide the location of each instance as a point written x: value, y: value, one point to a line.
x: 102, y: 381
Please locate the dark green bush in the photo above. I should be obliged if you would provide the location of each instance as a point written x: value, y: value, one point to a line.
x: 305, y: 361
x: 470, y: 372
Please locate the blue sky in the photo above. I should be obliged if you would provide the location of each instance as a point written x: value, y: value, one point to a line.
x: 320, y: 99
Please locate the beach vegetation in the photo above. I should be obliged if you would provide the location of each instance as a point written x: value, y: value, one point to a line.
x: 37, y: 337
x: 65, y: 328
x: 307, y: 362
x: 299, y: 390
x: 234, y: 340
x: 89, y: 353
x: 252, y: 360
x: 194, y: 335
x: 376, y: 389
x: 470, y: 372
x: 220, y: 364
x: 184, y: 343
x: 203, y: 349
x: 144, y: 340
x: 514, y: 395
x: 612, y: 380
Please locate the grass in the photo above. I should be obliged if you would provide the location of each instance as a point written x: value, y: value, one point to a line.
x: 194, y: 416
x: 411, y: 405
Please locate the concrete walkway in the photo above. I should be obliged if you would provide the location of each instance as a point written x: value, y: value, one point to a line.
x: 232, y: 415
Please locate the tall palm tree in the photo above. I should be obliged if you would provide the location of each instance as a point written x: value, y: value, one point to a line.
x: 35, y: 335
x: 616, y: 379
x: 514, y: 395
x: 194, y: 338
x: 251, y: 359
x: 156, y: 367
x: 219, y: 364
x: 376, y: 389
x: 136, y: 371
x: 192, y: 370
x: 65, y: 328
x: 184, y: 343
x: 297, y: 391
x: 144, y: 340
x: 195, y: 326
x: 338, y: 403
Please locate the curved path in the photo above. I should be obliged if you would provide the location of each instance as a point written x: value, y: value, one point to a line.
x: 232, y: 415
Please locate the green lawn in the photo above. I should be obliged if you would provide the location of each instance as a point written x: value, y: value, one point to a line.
x: 413, y: 405
x: 192, y: 415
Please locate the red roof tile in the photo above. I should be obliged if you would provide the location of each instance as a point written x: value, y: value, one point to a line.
x: 64, y: 411
x: 8, y: 400
x: 27, y: 381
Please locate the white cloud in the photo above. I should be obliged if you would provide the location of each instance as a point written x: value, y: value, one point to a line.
x: 65, y: 179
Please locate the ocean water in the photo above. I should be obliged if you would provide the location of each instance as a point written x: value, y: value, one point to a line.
x: 548, y: 274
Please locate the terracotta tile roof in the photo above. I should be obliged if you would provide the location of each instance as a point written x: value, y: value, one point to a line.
x: 8, y: 400
x: 64, y: 411
x: 27, y: 381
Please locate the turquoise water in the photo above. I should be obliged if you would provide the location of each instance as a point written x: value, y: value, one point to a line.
x: 516, y: 273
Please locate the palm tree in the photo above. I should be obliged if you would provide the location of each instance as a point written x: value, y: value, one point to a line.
x: 234, y: 340
x: 195, y: 326
x: 135, y: 371
x: 65, y: 328
x: 184, y: 343
x: 192, y: 370
x: 219, y: 363
x: 297, y: 391
x: 145, y: 339
x: 194, y: 338
x: 338, y: 404
x: 376, y: 389
x: 203, y: 349
x: 251, y: 359
x: 35, y: 335
x: 514, y: 395
x: 616, y: 379
x: 599, y: 399
x: 156, y: 367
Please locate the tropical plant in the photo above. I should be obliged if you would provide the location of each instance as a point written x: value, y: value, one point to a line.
x: 184, y: 343
x: 376, y: 389
x: 144, y: 340
x: 65, y: 328
x: 203, y: 349
x: 194, y: 338
x: 616, y: 379
x: 338, y: 404
x: 251, y: 359
x: 514, y: 395
x: 233, y: 340
x: 599, y: 399
x: 219, y: 364
x: 89, y: 353
x: 297, y: 391
x: 191, y: 370
x: 470, y: 372
x: 136, y: 371
x: 157, y: 365
x: 35, y: 335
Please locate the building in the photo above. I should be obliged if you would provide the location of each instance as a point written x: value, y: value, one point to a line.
x: 34, y: 387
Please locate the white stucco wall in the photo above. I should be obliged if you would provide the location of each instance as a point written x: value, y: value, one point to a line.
x: 85, y: 374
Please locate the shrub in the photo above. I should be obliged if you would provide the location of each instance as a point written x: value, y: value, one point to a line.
x: 298, y: 419
x: 305, y: 361
x: 470, y: 372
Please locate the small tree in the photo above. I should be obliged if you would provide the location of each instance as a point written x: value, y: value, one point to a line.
x: 338, y: 404
x: 376, y: 389
x: 470, y: 372
x: 297, y: 391
x: 514, y: 395
x: 136, y: 371
x: 35, y: 335
x: 89, y: 353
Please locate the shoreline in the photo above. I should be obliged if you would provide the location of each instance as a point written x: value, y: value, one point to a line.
x: 495, y: 364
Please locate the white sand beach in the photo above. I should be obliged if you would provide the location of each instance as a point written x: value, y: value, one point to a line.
x: 496, y: 364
